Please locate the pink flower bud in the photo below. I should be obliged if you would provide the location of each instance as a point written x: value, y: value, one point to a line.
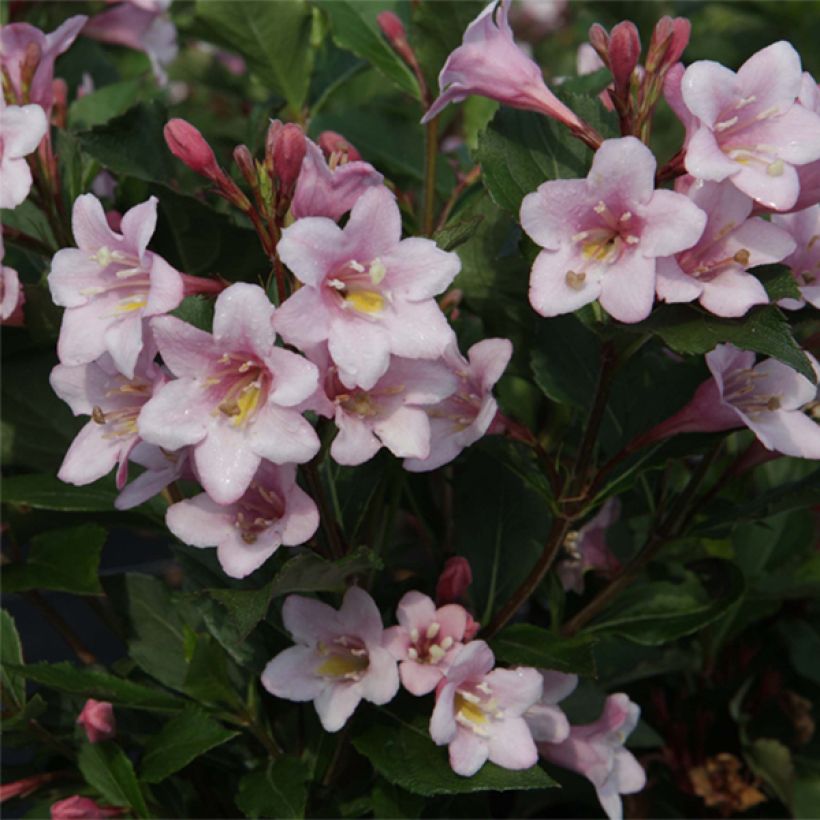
x: 624, y: 51
x: 274, y: 130
x: 26, y: 786
x: 599, y: 40
x: 288, y: 153
x: 187, y: 144
x: 471, y: 630
x: 669, y: 40
x: 80, y: 808
x: 454, y: 580
x: 391, y: 26
x: 97, y: 718
x: 332, y: 143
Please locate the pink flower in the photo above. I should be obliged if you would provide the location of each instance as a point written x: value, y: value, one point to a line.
x: 588, y: 549
x: 463, y: 418
x: 595, y: 750
x: 234, y: 396
x: 546, y: 722
x: 331, y: 188
x: 12, y: 295
x: 114, y: 403
x: 21, y: 129
x: 804, y: 228
x: 602, y: 235
x: 97, y: 718
x: 714, y: 270
x: 490, y: 64
x: 26, y: 52
x: 532, y: 20
x: 769, y: 398
x: 750, y: 130
x: 77, y: 807
x: 338, y: 659
x: 161, y: 469
x: 808, y: 175
x: 454, y: 580
x: 367, y: 292
x: 478, y: 712
x: 109, y: 284
x: 273, y: 511
x: 425, y: 640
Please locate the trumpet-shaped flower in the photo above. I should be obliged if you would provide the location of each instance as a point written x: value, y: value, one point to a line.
x: 21, y: 129
x: 109, y: 284
x: 714, y: 270
x: 601, y: 236
x: 750, y: 129
x: 588, y: 550
x: 489, y: 63
x: 338, y: 660
x: 274, y: 511
x: 804, y: 263
x: 548, y: 723
x: 425, y: 640
x: 367, y: 292
x: 596, y: 751
x: 478, y: 712
x: 465, y: 416
x: 114, y: 403
x: 235, y: 394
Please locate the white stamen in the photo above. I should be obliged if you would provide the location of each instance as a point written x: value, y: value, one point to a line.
x: 336, y: 283
x: 600, y: 207
x: 357, y: 266
x: 446, y: 643
x: 433, y: 630
x: 626, y: 216
x: 436, y: 653
x: 412, y: 654
x: 631, y: 240
x: 722, y: 126
x: 414, y: 634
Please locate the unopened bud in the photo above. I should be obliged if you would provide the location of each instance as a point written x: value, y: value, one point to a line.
x: 78, y: 807
x: 669, y: 40
x: 187, y: 144
x: 624, y: 52
x: 391, y: 26
x: 288, y: 153
x: 454, y: 580
x: 599, y: 40
x: 332, y: 143
x: 274, y: 129
x: 97, y: 718
x: 244, y: 161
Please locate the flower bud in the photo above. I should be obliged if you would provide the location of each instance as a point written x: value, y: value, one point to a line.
x: 78, y: 808
x: 391, y: 26
x: 599, y: 40
x: 244, y: 161
x: 97, y: 718
x: 669, y: 40
x: 288, y: 153
x: 274, y: 129
x: 471, y: 630
x: 332, y: 143
x: 624, y: 52
x: 454, y: 580
x: 187, y: 144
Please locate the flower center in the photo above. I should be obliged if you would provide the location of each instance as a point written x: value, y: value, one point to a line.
x: 127, y: 397
x: 430, y: 646
x: 356, y: 287
x: 739, y: 390
x: 346, y: 657
x: 123, y: 273
x: 475, y: 708
x: 257, y: 510
x: 240, y: 388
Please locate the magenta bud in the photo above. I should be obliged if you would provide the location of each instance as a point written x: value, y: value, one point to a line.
x: 669, y: 40
x: 274, y: 130
x: 77, y: 807
x: 454, y: 580
x: 332, y: 143
x: 288, y: 153
x: 624, y: 53
x: 97, y: 718
x: 391, y: 26
x: 187, y: 144
x: 599, y: 40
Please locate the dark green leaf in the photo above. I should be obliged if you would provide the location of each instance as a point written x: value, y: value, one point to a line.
x: 277, y: 791
x: 106, y: 768
x: 65, y: 560
x: 101, y: 105
x: 11, y: 653
x: 197, y: 311
x: 528, y: 645
x: 97, y: 684
x: 47, y: 492
x: 181, y: 740
x: 404, y: 754
x: 391, y: 801
x: 273, y: 37
x: 208, y: 680
x: 778, y: 281
x: 457, y: 233
x: 803, y: 645
x: 354, y: 28
x: 771, y: 761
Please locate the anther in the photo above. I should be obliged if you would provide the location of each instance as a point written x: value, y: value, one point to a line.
x: 575, y: 280
x: 433, y: 630
x: 742, y: 257
x: 98, y: 415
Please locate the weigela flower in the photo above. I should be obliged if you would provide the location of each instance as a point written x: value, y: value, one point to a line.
x: 273, y: 511
x: 27, y: 58
x: 464, y: 417
x: 367, y: 292
x: 588, y: 549
x: 478, y: 712
x: 233, y: 398
x: 768, y: 398
x: 547, y: 723
x: 109, y: 284
x: 21, y: 129
x: 714, y: 270
x: 595, y: 750
x: 331, y: 188
x: 339, y: 658
x: 114, y: 403
x: 804, y: 263
x: 97, y: 719
x: 750, y: 129
x: 489, y: 63
x: 425, y: 640
x: 602, y: 235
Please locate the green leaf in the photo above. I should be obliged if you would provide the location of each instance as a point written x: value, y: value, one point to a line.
x: 656, y: 612
x: 197, y: 311
x: 770, y: 760
x: 277, y: 791
x: 47, y: 492
x: 803, y: 645
x: 457, y: 233
x: 529, y: 645
x: 354, y: 28
x: 181, y: 740
x: 11, y: 653
x: 273, y: 37
x: 208, y: 680
x: 763, y: 330
x: 65, y: 560
x: 98, y: 684
x: 778, y: 281
x: 101, y: 105
x: 405, y: 755
x: 132, y: 144
x: 391, y: 801
x: 106, y: 768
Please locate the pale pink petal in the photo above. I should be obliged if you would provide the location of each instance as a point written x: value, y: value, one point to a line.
x: 630, y: 775
x: 558, y: 685
x: 22, y: 128
x: 199, y: 521
x: 282, y: 436
x: 355, y: 442
x: 673, y: 223
x: 239, y: 559
x: 295, y: 378
x: 76, y: 384
x: 550, y: 295
x: 489, y: 359
x: 396, y: 640
x: 72, y: 273
x: 610, y: 799
x: 381, y: 683
x: 732, y: 293
x: 417, y: 330
x: 766, y: 243
x: 547, y: 723
x: 123, y: 340
x: 418, y: 678
x: 302, y: 518
x: 709, y: 89
x: 629, y: 300
x: 360, y: 616
x: 291, y: 675
x: 511, y: 745
x: 415, y: 610
x: 89, y: 225
x: 185, y: 350
x: 773, y: 74
x: 418, y: 269
x: 515, y: 689
x: 406, y: 433
x: 673, y: 285
x: 309, y: 620
x: 474, y: 660
x: 311, y: 248
x: 546, y: 212
x: 443, y: 726
x: 82, y: 333
x: 453, y: 620
x: 224, y: 462
x: 375, y: 222
x: 242, y: 319
x: 623, y: 169
x: 469, y: 752
x: 169, y: 419
x: 302, y: 319
x: 792, y: 389
x: 360, y: 349
x: 139, y: 223
x: 166, y: 290
x: 336, y: 704
x: 90, y: 456
x: 15, y: 177
x: 776, y: 192
x: 705, y: 160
